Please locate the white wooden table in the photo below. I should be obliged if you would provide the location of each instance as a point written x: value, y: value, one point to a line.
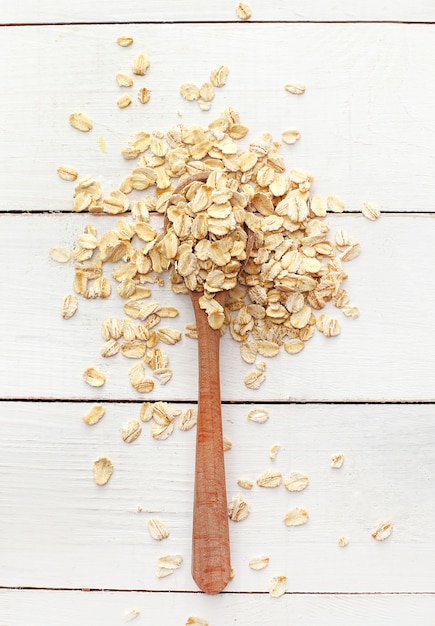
x: 73, y: 553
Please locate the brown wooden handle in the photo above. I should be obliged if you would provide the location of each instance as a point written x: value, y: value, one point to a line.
x: 211, y: 568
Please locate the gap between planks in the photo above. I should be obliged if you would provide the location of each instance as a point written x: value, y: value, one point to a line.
x: 225, y: 402
x: 227, y: 593
x: 209, y: 22
x: 155, y: 214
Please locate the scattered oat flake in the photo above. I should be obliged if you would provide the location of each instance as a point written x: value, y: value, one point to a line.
x: 269, y: 479
x: 140, y: 64
x: 102, y: 144
x: 248, y: 352
x: 318, y: 206
x: 277, y: 586
x: 351, y: 252
x: 290, y: 136
x: 157, y: 529
x: 160, y: 432
x: 261, y: 366
x: 329, y: 326
x: 206, y: 92
x: 124, y: 41
x: 124, y: 101
x: 238, y: 509
x: 69, y: 306
x: 244, y: 483
x: 296, y: 517
x: 258, y: 415
x: 61, y: 255
x: 168, y: 311
x: 343, y: 541
x: 294, y: 345
x: 188, y: 419
x: 254, y: 379
x: 103, y: 468
x: 204, y: 106
x: 144, y: 95
x: 93, y: 414
x: 81, y: 122
x: 335, y: 204
x: 124, y: 80
x: 337, y: 460
x: 196, y: 621
x: 243, y: 11
x: 134, y: 349
x: 111, y: 328
x: 163, y: 375
x: 382, y: 530
x: 164, y: 413
x: 259, y: 562
x: 146, y: 411
x: 191, y: 331
x: 274, y: 451
x: 296, y: 88
x: 370, y: 211
x: 296, y: 481
x: 189, y: 91
x: 167, y: 564
x: 131, y: 614
x: 351, y: 311
x: 67, y: 173
x: 218, y: 76
x: 131, y: 431
x: 227, y: 443
x: 267, y: 349
x: 343, y: 239
x: 94, y: 377
x: 139, y: 380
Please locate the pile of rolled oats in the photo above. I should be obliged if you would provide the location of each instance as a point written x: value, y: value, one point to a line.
x: 245, y: 225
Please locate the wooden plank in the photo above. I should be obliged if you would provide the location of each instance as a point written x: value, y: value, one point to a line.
x: 49, y: 11
x: 388, y: 354
x: 59, y: 529
x: 365, y: 119
x: 48, y: 608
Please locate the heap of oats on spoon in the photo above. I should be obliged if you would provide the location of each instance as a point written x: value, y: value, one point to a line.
x: 295, y: 267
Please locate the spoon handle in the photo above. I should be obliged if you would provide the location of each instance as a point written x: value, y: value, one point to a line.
x: 211, y: 568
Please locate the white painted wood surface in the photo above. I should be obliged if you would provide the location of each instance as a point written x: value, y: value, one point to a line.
x: 60, y: 530
x: 367, y: 133
x: 51, y: 608
x: 67, y: 11
x: 366, y: 119
x: 387, y: 354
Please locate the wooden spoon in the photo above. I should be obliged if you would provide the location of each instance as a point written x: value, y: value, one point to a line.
x: 211, y: 567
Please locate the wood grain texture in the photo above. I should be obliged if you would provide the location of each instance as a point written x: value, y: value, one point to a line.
x: 211, y: 564
x: 51, y: 608
x: 366, y: 124
x: 49, y: 11
x: 365, y: 119
x: 387, y: 354
x: 59, y: 529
